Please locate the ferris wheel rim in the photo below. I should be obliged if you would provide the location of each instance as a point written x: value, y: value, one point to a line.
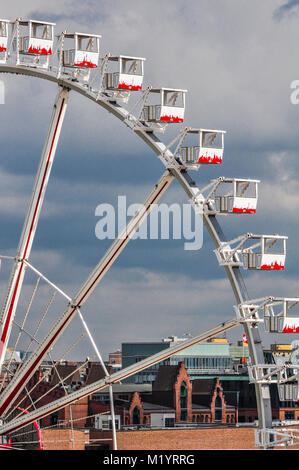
x: 233, y: 273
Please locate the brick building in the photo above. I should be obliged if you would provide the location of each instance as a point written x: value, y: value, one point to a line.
x: 172, y: 399
x: 175, y: 398
x: 115, y: 359
x: 217, y: 400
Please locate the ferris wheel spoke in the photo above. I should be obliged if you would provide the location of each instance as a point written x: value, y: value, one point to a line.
x: 99, y: 356
x: 55, y: 405
x: 45, y: 375
x: 239, y: 288
x: 22, y: 326
x: 26, y: 372
x: 30, y: 224
x: 60, y: 383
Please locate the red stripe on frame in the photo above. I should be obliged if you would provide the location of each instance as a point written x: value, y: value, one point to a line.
x: 7, y: 322
x: 23, y: 380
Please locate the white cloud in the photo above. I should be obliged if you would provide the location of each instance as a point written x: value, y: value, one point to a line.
x: 279, y: 194
x: 146, y: 305
x: 15, y: 194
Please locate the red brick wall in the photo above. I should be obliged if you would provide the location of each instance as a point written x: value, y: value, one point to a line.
x: 78, y: 413
x: 187, y: 439
x: 136, y: 402
x: 190, y: 439
x: 215, y: 394
x: 97, y: 437
x: 61, y: 439
x: 282, y: 412
x: 182, y: 377
x: 174, y: 439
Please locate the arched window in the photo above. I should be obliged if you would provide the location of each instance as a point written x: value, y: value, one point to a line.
x: 54, y: 418
x: 218, y: 409
x: 183, y: 401
x: 136, y: 415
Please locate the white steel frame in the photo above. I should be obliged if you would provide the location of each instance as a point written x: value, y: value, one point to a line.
x: 209, y: 192
x: 272, y: 308
x: 121, y: 59
x: 174, y: 169
x: 17, y: 41
x: 231, y: 255
x: 30, y: 225
x: 186, y: 153
x: 15, y: 387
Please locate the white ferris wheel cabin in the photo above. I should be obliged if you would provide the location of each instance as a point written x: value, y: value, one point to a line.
x: 73, y: 62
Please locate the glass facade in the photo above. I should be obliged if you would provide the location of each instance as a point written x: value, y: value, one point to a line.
x: 204, y: 363
x: 204, y: 358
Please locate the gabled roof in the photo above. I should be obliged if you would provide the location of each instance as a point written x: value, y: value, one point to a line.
x: 242, y: 394
x: 95, y: 372
x: 166, y: 378
x: 203, y: 386
x: 65, y: 372
x: 122, y: 403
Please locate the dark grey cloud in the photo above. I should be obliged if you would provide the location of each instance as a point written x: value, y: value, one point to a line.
x: 237, y: 63
x: 87, y: 14
x: 290, y: 7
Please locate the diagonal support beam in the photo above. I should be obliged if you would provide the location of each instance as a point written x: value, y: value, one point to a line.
x: 31, y: 221
x: 115, y: 378
x: 20, y: 379
x: 240, y: 292
x: 106, y: 374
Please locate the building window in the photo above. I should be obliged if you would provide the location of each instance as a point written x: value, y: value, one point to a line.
x: 98, y: 397
x: 289, y: 415
x: 183, y: 401
x: 136, y: 415
x: 105, y: 424
x: 169, y: 422
x: 54, y: 419
x: 218, y: 409
x: 116, y: 424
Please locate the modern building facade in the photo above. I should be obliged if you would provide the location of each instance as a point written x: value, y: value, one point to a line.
x: 215, y: 357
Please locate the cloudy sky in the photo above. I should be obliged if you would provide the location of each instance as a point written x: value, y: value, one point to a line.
x: 237, y: 59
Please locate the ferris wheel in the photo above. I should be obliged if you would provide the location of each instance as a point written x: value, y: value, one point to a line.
x: 73, y: 62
